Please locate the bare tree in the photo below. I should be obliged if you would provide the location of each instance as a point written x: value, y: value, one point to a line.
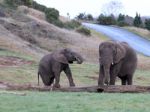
x: 114, y: 7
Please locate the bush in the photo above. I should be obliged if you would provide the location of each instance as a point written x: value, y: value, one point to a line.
x: 122, y: 23
x: 58, y: 23
x: 72, y: 24
x: 147, y: 24
x: 84, y: 31
x: 15, y: 3
x: 51, y: 14
x: 106, y: 20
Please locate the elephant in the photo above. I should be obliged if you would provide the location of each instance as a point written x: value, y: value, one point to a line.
x: 116, y: 59
x: 51, y: 65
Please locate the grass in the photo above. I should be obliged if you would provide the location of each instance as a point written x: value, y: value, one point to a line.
x: 84, y: 74
x: 100, y: 35
x: 74, y: 102
x: 140, y: 31
x: 4, y: 52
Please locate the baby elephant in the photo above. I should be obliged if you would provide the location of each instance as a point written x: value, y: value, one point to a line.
x: 116, y: 59
x: 53, y: 64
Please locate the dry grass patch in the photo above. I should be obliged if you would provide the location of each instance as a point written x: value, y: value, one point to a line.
x: 32, y: 12
x: 143, y: 62
x: 139, y: 31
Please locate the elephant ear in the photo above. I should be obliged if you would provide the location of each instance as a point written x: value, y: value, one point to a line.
x: 59, y: 57
x: 120, y: 52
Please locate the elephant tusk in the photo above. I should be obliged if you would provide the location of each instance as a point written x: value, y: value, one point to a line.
x: 112, y: 63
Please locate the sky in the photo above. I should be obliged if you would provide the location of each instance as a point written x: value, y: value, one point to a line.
x: 94, y: 7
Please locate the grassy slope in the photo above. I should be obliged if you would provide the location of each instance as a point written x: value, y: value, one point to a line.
x: 74, y: 102
x: 139, y: 31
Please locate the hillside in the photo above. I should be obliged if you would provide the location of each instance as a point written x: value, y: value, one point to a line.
x: 33, y: 34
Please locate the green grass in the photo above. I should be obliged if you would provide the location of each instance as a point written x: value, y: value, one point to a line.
x: 100, y: 35
x: 74, y: 102
x: 139, y: 31
x: 69, y: 102
x: 84, y: 74
x: 5, y: 52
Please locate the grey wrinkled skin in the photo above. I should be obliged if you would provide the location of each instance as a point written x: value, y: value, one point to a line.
x: 53, y: 64
x: 117, y: 59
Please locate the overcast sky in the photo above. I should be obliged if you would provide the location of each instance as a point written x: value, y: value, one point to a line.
x: 94, y: 7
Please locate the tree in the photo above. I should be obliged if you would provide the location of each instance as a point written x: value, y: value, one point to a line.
x: 137, y: 20
x: 147, y: 24
x: 121, y: 17
x: 112, y: 7
x: 89, y: 17
x: 121, y: 20
x: 106, y: 20
x: 81, y: 16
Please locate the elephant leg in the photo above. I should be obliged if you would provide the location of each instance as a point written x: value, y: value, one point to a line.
x: 69, y: 75
x: 113, y: 74
x: 101, y: 76
x: 51, y: 80
x: 129, y: 79
x: 112, y: 79
x: 57, y: 79
x: 123, y: 80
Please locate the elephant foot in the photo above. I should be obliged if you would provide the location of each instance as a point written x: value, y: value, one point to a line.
x: 56, y: 85
x: 72, y: 85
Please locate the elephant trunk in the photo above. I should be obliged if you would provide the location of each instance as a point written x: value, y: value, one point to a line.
x: 79, y: 59
x: 107, y: 74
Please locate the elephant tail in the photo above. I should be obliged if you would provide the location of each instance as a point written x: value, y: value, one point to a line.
x: 38, y: 78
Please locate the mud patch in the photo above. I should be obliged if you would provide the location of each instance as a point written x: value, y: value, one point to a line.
x: 9, y: 61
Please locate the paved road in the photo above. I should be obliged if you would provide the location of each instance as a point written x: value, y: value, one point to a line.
x: 138, y: 43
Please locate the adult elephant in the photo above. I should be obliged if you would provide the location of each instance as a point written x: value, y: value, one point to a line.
x: 116, y: 59
x: 53, y: 64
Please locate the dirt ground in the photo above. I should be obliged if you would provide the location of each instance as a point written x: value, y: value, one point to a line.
x: 10, y: 61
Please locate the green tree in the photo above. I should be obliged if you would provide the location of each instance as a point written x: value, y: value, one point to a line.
x: 121, y: 17
x: 81, y: 16
x: 121, y: 20
x: 137, y: 21
x: 106, y: 20
x: 147, y: 24
x: 89, y: 17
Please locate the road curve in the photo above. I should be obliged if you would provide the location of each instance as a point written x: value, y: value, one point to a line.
x: 115, y: 33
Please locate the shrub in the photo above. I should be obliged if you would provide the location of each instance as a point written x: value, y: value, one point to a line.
x: 147, y: 24
x: 58, y: 23
x: 122, y: 23
x: 72, y: 24
x: 106, y: 20
x: 84, y: 31
x: 14, y: 3
x: 51, y: 14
